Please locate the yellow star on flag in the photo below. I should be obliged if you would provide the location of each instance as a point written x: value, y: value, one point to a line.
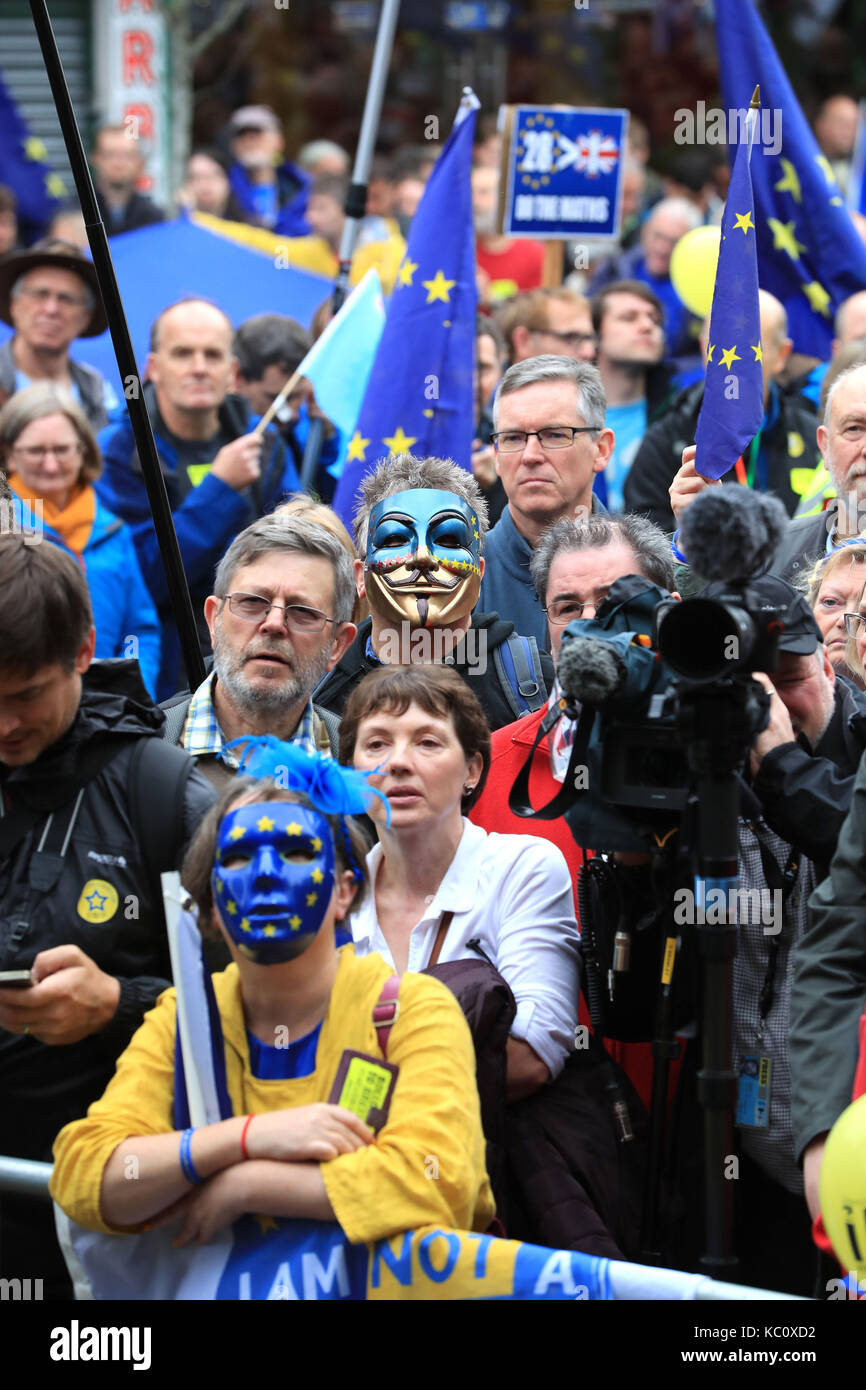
x: 357, y: 449
x: 817, y: 297
x: 236, y: 832
x: 758, y: 351
x: 406, y: 271
x: 293, y: 829
x: 34, y: 148
x: 791, y: 181
x: 826, y: 168
x: 317, y: 875
x: 438, y: 287
x: 744, y: 221
x: 399, y: 442
x: 264, y: 823
x: 784, y: 238
x: 55, y: 186
x: 710, y: 350
x: 267, y: 1223
x: 730, y: 356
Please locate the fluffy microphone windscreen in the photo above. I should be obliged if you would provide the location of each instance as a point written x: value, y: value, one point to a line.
x: 732, y: 533
x: 589, y: 670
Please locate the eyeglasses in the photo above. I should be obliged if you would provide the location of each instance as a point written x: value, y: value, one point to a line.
x: 66, y: 301
x: 35, y: 453
x: 574, y: 340
x: 298, y: 618
x: 566, y: 610
x: 553, y: 437
x: 852, y: 623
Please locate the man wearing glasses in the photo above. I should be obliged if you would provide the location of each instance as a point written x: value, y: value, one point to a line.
x: 279, y: 619
x: 553, y: 320
x: 50, y: 296
x: 550, y: 440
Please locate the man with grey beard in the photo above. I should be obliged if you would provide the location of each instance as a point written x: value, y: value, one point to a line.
x: 279, y: 620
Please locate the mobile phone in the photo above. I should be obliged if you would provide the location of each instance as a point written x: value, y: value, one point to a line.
x: 15, y: 979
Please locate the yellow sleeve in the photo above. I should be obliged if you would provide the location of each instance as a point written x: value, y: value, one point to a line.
x: 427, y: 1164
x: 137, y: 1100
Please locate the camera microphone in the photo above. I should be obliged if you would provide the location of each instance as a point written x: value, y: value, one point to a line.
x: 590, y: 670
x: 731, y: 533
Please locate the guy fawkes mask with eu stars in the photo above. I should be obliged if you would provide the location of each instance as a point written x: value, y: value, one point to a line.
x: 423, y: 562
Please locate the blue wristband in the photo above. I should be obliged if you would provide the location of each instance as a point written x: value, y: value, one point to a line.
x: 186, y: 1163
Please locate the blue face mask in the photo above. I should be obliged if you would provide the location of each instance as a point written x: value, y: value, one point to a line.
x: 273, y: 877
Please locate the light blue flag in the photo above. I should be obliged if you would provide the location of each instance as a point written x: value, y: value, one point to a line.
x: 339, y: 363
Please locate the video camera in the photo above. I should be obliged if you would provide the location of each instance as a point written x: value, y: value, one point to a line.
x: 628, y: 675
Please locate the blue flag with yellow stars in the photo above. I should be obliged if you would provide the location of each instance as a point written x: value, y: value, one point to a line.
x: 733, y: 405
x: 419, y: 398
x: 809, y: 254
x: 24, y: 167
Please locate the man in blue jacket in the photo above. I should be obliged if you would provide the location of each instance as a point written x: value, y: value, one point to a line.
x: 273, y: 192
x: 220, y: 475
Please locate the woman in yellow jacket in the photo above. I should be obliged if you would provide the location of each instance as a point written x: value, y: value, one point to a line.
x: 262, y: 871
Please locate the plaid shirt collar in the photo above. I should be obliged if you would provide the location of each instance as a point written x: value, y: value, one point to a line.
x: 202, y: 734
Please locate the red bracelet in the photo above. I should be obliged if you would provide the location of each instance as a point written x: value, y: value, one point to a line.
x: 244, y: 1153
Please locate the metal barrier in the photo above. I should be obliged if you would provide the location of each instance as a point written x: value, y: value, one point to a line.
x: 24, y: 1176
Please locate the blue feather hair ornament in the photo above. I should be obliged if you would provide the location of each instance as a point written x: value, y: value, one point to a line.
x: 333, y: 789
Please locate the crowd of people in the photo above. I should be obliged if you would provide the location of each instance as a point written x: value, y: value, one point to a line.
x: 423, y: 651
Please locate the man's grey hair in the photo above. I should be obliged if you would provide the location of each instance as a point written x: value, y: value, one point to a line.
x: 296, y: 535
x: 402, y: 473
x: 843, y: 376
x: 549, y: 366
x: 18, y: 286
x: 652, y: 548
x: 677, y: 207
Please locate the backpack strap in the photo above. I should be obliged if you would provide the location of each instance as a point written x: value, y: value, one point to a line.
x: 158, y: 774
x: 175, y: 718
x: 386, y: 1012
x: 518, y: 666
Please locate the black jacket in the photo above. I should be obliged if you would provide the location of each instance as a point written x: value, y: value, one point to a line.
x: 829, y: 989
x: 106, y: 862
x: 805, y: 796
x: 140, y: 211
x: 804, y: 542
x: 480, y: 675
x: 660, y: 455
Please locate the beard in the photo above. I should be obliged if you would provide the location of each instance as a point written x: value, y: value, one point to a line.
x: 256, y: 697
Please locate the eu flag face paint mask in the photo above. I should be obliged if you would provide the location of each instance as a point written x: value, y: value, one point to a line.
x: 273, y: 877
x: 423, y: 558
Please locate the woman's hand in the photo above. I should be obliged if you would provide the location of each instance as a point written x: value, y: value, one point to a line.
x: 208, y: 1208
x: 311, y: 1133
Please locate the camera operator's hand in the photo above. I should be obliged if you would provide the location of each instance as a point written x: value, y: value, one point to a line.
x: 687, y: 484
x: 778, y: 731
x: 813, y: 1157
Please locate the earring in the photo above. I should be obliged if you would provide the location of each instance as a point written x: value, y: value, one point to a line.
x: 467, y: 790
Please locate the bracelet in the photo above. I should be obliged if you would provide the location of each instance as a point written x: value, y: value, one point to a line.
x: 244, y: 1153
x: 186, y: 1163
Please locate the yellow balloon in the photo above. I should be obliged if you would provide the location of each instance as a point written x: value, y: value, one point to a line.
x: 693, y: 268
x: 842, y: 1187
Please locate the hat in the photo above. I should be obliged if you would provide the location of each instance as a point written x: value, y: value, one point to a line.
x: 64, y: 256
x: 801, y: 634
x: 254, y: 118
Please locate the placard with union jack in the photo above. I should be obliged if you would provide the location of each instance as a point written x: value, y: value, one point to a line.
x: 564, y: 172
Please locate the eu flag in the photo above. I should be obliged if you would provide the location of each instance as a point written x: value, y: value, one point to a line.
x: 809, y: 254
x: 23, y: 166
x: 419, y: 396
x: 733, y: 405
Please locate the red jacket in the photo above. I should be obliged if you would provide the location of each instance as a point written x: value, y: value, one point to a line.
x: 819, y: 1234
x: 509, y: 749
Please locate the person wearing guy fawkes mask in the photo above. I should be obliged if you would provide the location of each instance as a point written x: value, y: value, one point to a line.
x: 264, y: 871
x: 420, y: 532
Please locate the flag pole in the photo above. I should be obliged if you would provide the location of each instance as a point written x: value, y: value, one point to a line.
x: 154, y: 481
x: 356, y: 198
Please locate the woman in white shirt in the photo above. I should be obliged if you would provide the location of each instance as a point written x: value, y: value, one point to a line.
x: 440, y: 882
